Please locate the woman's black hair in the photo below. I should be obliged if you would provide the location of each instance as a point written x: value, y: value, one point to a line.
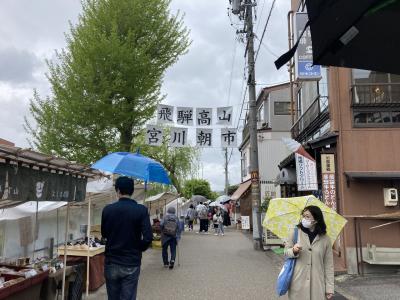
x: 320, y: 226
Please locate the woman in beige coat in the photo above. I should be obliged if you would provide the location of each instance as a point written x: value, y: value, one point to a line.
x: 313, y: 274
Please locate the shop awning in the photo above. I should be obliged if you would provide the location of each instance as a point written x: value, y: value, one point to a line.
x: 327, y: 139
x: 162, y: 197
x: 376, y: 175
x: 288, y: 161
x: 243, y: 187
x: 29, y: 208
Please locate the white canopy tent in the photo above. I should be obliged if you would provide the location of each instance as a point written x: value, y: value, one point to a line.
x: 29, y: 208
x: 157, y: 202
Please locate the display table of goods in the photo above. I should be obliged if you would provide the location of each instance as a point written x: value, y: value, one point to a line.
x: 83, y: 248
x: 78, y: 252
x: 156, y: 229
x: 17, y: 282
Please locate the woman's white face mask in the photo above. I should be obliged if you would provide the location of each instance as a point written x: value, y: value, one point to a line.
x: 306, y: 223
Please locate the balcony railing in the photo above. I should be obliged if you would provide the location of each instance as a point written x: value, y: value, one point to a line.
x: 376, y: 95
x: 312, y: 119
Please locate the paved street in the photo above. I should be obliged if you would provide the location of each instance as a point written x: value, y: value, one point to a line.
x: 211, y: 267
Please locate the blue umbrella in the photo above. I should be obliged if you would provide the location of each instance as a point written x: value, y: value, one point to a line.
x: 133, y: 165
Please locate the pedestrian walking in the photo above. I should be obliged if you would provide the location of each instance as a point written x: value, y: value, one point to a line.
x: 123, y: 251
x: 170, y: 233
x: 215, y: 221
x: 313, y: 276
x: 190, y: 216
x: 219, y: 217
x: 203, y: 216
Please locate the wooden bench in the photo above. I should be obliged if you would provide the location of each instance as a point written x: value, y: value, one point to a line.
x: 382, y: 256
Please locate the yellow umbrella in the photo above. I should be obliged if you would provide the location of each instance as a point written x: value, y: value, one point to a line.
x: 284, y: 213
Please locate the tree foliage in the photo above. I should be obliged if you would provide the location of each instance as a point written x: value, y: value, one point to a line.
x: 179, y: 162
x: 232, y: 189
x: 198, y: 187
x: 106, y: 83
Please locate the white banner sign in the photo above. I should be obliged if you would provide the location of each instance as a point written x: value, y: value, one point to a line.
x: 184, y: 116
x: 165, y: 114
x: 154, y: 135
x: 178, y: 137
x: 306, y: 170
x: 204, y: 137
x: 228, y: 138
x: 204, y: 116
x: 224, y: 115
x: 245, y: 222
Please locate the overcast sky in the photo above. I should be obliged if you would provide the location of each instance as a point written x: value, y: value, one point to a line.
x: 30, y: 31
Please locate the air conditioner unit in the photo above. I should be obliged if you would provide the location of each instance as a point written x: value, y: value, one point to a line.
x: 390, y: 196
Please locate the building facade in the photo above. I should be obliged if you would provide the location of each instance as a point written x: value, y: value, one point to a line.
x: 349, y: 122
x: 273, y: 124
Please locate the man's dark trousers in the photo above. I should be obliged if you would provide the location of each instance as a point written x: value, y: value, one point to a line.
x: 121, y: 282
x: 172, y: 245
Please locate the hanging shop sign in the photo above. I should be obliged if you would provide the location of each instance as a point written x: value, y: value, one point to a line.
x: 204, y: 137
x: 165, y: 114
x: 154, y: 135
x: 25, y: 184
x: 305, y: 69
x: 178, y: 137
x: 306, y: 171
x: 228, y: 138
x: 202, y: 118
x: 328, y: 180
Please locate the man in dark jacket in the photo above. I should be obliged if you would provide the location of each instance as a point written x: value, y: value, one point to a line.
x: 126, y: 227
x: 170, y: 240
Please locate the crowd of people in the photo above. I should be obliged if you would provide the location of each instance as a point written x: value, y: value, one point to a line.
x: 207, y: 215
x: 124, y: 248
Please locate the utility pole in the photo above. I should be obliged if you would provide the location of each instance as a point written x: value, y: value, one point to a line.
x: 226, y: 171
x: 247, y: 6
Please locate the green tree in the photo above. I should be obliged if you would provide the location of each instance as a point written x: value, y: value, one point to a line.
x: 232, y: 189
x: 106, y: 83
x: 198, y: 187
x: 179, y: 162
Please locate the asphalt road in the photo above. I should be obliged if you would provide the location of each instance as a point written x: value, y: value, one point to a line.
x: 211, y: 267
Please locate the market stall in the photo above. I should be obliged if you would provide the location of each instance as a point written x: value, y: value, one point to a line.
x: 32, y: 183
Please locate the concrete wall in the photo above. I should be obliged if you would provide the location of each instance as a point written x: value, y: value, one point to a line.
x: 277, y: 122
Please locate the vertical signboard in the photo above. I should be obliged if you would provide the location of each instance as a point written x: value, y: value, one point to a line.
x: 328, y: 180
x: 306, y: 171
x: 305, y: 69
x: 245, y: 222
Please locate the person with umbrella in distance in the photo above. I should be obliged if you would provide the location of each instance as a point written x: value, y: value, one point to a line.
x: 126, y: 227
x: 170, y: 234
x: 313, y: 276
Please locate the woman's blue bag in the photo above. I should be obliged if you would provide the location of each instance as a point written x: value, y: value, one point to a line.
x: 286, y: 274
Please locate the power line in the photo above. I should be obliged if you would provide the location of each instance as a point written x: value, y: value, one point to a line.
x: 266, y: 47
x: 232, y: 67
x: 265, y: 28
x: 259, y: 17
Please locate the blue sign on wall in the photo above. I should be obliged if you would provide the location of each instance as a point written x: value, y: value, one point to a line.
x: 306, y: 69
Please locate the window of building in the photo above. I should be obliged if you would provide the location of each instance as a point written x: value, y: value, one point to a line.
x: 372, y: 87
x: 261, y: 113
x: 376, y: 118
x: 282, y: 108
